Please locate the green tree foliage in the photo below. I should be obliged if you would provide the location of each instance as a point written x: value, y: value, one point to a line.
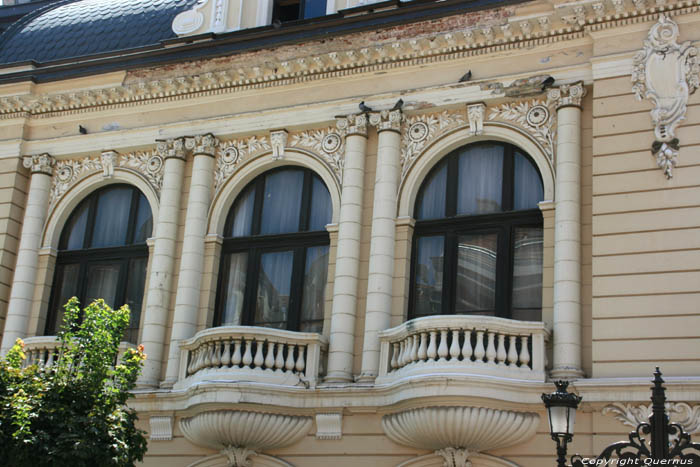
x: 73, y: 413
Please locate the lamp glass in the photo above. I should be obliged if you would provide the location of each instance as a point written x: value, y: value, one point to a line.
x: 561, y: 420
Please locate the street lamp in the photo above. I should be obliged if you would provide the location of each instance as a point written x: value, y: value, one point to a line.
x: 668, y: 441
x: 561, y: 411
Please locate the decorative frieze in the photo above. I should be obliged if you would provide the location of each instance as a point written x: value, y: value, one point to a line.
x: 567, y: 19
x: 387, y: 120
x: 420, y: 130
x: 679, y: 412
x: 39, y: 163
x: 537, y: 117
x: 666, y: 73
x: 328, y: 143
x: 66, y: 173
x: 231, y: 154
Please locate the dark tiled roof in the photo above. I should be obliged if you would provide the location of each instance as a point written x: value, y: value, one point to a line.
x: 75, y: 28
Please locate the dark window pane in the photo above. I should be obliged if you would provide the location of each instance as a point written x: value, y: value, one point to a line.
x: 528, y: 189
x: 480, y: 179
x: 314, y: 8
x: 243, y: 214
x: 431, y: 199
x: 74, y: 231
x: 282, y: 202
x: 428, y: 276
x: 274, y: 287
x: 112, y: 218
x: 136, y: 281
x: 321, y: 208
x: 67, y: 283
x: 314, y: 293
x: 102, y: 281
x: 144, y: 221
x: 235, y: 274
x: 527, y: 274
x: 476, y: 274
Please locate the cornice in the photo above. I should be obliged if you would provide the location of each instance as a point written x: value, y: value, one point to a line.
x: 566, y: 22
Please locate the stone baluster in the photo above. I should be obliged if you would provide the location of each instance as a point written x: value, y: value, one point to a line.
x: 454, y: 346
x: 524, y: 351
x: 467, y: 346
x: 442, y: 348
x: 25, y: 274
x: 248, y: 354
x: 258, y: 359
x: 501, y: 353
x: 491, y: 348
x: 301, y: 361
x: 216, y: 361
x: 289, y: 363
x: 432, y: 346
x: 236, y: 357
x: 479, y: 351
x: 226, y: 357
x: 270, y: 357
x: 279, y: 359
x: 423, y: 347
x: 512, y: 351
x: 394, y: 355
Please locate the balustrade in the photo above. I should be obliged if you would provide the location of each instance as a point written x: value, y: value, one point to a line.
x: 252, y: 353
x: 464, y: 344
x: 44, y: 350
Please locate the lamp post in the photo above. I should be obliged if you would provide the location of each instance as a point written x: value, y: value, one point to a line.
x: 668, y: 440
x: 561, y: 410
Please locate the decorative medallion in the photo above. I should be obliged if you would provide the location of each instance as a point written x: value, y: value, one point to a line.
x: 666, y: 73
x: 632, y: 415
x: 534, y: 116
x: 67, y: 173
x: 232, y: 153
x: 328, y: 143
x: 420, y: 130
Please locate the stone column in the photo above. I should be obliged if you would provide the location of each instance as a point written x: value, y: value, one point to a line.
x: 189, y: 281
x: 155, y: 319
x: 24, y: 280
x: 342, y: 337
x: 567, y: 233
x: 381, y: 253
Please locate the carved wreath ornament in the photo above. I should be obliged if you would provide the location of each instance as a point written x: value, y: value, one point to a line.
x: 666, y: 73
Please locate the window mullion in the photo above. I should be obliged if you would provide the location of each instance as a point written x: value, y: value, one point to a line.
x: 221, y: 288
x: 258, y: 205
x: 251, y: 287
x: 305, y: 203
x: 295, y: 299
x: 452, y: 186
x: 508, y: 187
x: 449, y: 275
x: 132, y: 217
x: 90, y: 222
x: 504, y: 267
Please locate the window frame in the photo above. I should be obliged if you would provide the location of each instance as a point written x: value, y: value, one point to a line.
x: 256, y: 244
x: 87, y: 256
x: 300, y: 12
x: 452, y: 226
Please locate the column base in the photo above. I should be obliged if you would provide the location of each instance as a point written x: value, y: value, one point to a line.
x: 338, y: 378
x: 567, y: 373
x: 366, y: 378
x: 167, y: 384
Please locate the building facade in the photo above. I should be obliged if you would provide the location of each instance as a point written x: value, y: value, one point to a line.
x: 362, y: 232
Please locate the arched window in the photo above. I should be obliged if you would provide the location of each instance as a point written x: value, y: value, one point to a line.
x: 275, y: 254
x: 477, y: 247
x: 103, y: 254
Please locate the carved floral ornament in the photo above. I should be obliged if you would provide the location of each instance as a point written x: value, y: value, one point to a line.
x: 666, y: 73
x: 535, y: 117
x: 632, y: 415
x: 326, y: 144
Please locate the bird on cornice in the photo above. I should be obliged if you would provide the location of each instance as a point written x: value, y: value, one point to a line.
x: 364, y: 108
x: 547, y: 83
x: 466, y: 77
x: 82, y: 130
x: 398, y: 105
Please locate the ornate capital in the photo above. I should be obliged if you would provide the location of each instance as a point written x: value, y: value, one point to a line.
x: 666, y: 73
x: 567, y: 95
x: 475, y: 114
x: 278, y: 141
x: 202, y: 144
x: 40, y: 163
x: 173, y: 147
x: 353, y: 124
x: 387, y: 120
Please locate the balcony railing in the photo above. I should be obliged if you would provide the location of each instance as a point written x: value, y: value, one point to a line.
x: 474, y: 345
x: 44, y: 350
x: 246, y: 353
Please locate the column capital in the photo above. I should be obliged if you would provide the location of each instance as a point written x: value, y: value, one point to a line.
x: 567, y: 95
x: 202, y: 144
x: 353, y: 124
x: 40, y: 163
x: 172, y: 147
x: 387, y: 120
